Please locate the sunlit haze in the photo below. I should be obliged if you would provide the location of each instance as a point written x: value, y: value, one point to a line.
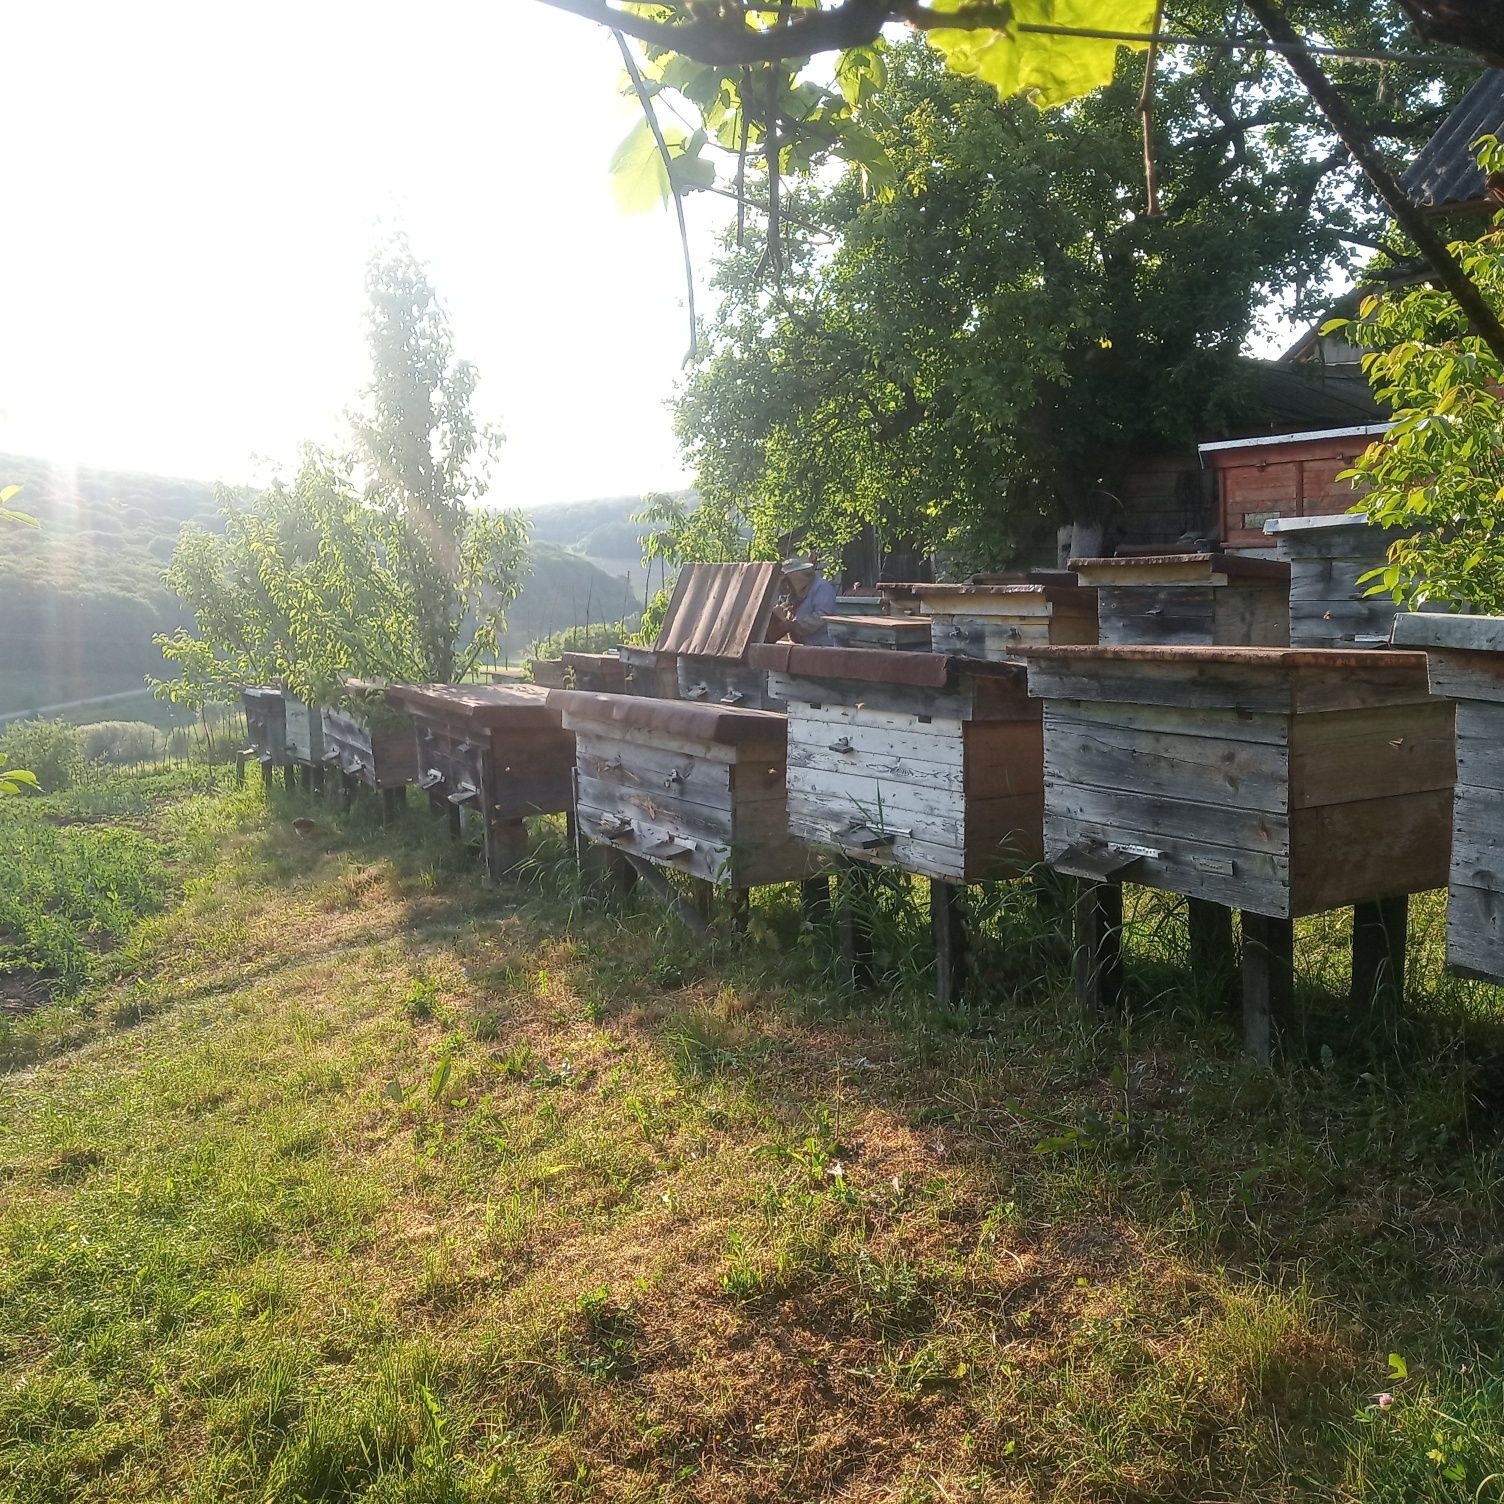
x: 193, y: 190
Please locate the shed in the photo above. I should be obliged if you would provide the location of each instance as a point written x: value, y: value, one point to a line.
x: 692, y: 788
x: 1281, y: 781
x: 1284, y: 475
x: 498, y: 750
x: 1466, y: 657
x: 1204, y: 599
x: 990, y: 620
x: 1330, y: 605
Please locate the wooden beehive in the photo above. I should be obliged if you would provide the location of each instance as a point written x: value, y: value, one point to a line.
x: 1466, y: 657
x: 549, y: 672
x: 647, y: 672
x: 716, y: 613
x: 305, y: 731
x: 603, y: 673
x: 1328, y: 556
x: 370, y: 740
x: 1283, y: 781
x: 926, y: 762
x: 898, y: 633
x: 1192, y: 599
x: 990, y: 620
x: 693, y: 788
x: 266, y: 725
x: 496, y: 749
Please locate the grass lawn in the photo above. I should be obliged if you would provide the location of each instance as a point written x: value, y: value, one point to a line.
x: 342, y: 1176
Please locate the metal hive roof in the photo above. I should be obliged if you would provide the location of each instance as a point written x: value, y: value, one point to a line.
x: 1446, y: 172
x: 719, y: 610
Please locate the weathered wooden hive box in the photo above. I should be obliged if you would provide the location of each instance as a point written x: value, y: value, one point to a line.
x: 1196, y: 599
x: 266, y: 724
x: 898, y: 633
x: 990, y: 620
x: 370, y: 739
x: 694, y: 788
x: 496, y: 747
x: 549, y: 672
x: 927, y: 762
x: 603, y: 673
x: 647, y: 672
x: 1284, y: 781
x: 1328, y: 556
x: 716, y: 613
x: 1466, y: 656
x: 305, y: 731
x: 898, y: 598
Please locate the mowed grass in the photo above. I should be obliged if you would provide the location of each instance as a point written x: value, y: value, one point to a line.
x: 358, y: 1180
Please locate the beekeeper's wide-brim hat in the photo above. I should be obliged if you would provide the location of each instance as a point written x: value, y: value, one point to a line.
x: 796, y: 565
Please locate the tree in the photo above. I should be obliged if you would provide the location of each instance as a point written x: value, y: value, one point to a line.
x: 375, y: 563
x: 14, y: 780
x: 991, y: 348
x: 1437, y: 475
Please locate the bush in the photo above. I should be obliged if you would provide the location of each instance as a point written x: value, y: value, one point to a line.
x: 53, y: 750
x: 121, y: 741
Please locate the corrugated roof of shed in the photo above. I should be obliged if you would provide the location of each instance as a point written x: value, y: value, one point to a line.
x: 1446, y: 171
x: 719, y: 610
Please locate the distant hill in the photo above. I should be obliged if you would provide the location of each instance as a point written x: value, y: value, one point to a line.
x: 81, y: 596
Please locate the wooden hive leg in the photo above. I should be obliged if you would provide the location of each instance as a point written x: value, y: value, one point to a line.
x: 506, y: 846
x: 290, y: 777
x: 266, y: 776
x: 392, y: 801
x: 854, y: 924
x: 240, y: 769
x: 952, y: 954
x: 456, y: 819
x: 741, y: 910
x: 1097, y: 946
x: 1268, y: 981
x: 1212, y: 954
x: 814, y: 899
x: 1380, y: 934
x: 702, y: 898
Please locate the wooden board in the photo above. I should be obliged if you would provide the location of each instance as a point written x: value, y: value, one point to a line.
x: 714, y: 681
x: 1367, y: 849
x: 1475, y: 931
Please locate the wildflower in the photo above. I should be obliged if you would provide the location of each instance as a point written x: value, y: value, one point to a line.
x: 836, y: 1170
x: 1385, y: 1400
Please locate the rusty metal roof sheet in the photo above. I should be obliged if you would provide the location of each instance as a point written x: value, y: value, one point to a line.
x: 877, y: 665
x: 719, y: 610
x: 1446, y: 170
x: 486, y: 704
x: 686, y: 719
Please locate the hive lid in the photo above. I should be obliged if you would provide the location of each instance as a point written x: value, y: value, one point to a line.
x: 511, y: 705
x: 263, y: 692
x: 1440, y: 629
x: 878, y: 665
x: 591, y: 660
x: 915, y: 626
x: 687, y: 719
x: 719, y: 610
x: 1228, y: 678
x: 1037, y: 590
x: 1323, y: 523
x: 1170, y: 568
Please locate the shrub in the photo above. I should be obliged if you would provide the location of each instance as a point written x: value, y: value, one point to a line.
x: 121, y: 741
x: 53, y: 750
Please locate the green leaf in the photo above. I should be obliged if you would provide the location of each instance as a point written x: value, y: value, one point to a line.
x: 639, y: 179
x: 1048, y: 69
x: 1397, y: 1367
x: 440, y: 1078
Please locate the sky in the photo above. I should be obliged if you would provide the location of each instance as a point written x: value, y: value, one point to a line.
x: 192, y: 192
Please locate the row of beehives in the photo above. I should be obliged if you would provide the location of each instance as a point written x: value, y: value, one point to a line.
x: 1277, y: 781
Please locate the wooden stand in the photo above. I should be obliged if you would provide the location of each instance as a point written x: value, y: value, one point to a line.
x: 1097, y: 947
x: 1268, y: 982
x: 1380, y: 932
x: 854, y: 924
x: 952, y: 952
x: 1213, y: 958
